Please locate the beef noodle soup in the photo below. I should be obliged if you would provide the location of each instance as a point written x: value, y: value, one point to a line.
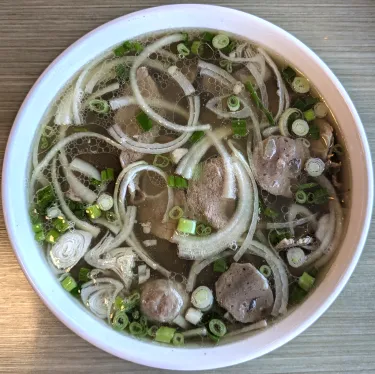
x: 187, y: 185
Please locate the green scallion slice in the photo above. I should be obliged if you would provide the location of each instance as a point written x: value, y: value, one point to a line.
x: 160, y: 161
x: 52, y: 236
x: 309, y: 115
x: 239, y: 127
x: 61, y: 224
x: 289, y: 74
x: 107, y: 175
x: 39, y: 236
x: 269, y: 212
x: 197, y: 48
x: 93, y: 211
x: 306, y: 281
x: 220, y: 266
x: 136, y: 314
x: 258, y: 103
x: 203, y: 230
x: 99, y: 106
x: 37, y: 227
x: 178, y: 339
x: 136, y: 329
x: 265, y: 270
x: 208, y: 36
x: 233, y: 103
x: 84, y: 275
x: 301, y: 197
x: 164, y: 334
x: 183, y: 50
x: 120, y: 321
x: 144, y: 121
x: 217, y: 327
x: 110, y: 216
x: 197, y: 135
x: 220, y: 41
x: 69, y: 283
x: 186, y: 226
x: 152, y: 331
x: 176, y: 212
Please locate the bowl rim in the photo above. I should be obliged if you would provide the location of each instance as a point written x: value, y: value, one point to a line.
x: 70, y: 312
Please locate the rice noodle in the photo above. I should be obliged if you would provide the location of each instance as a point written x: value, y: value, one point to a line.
x: 237, y: 59
x: 198, y: 266
x: 254, y: 326
x: 188, y: 163
x: 280, y: 83
x: 253, y: 192
x: 108, y: 225
x: 212, y: 105
x: 94, y: 231
x: 99, y: 295
x: 85, y: 168
x: 195, y: 248
x: 296, y: 209
x: 137, y: 93
x: 229, y: 187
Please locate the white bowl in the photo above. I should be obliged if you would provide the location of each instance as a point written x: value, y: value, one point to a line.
x: 17, y: 163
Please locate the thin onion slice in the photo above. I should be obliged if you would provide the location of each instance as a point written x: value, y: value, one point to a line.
x: 85, y: 168
x: 212, y: 105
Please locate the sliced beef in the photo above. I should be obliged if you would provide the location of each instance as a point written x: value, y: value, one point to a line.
x: 152, y: 210
x: 163, y: 300
x: 277, y: 160
x: 204, y: 195
x: 245, y: 293
x: 320, y: 147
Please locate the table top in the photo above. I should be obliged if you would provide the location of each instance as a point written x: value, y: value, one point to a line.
x: 33, y: 33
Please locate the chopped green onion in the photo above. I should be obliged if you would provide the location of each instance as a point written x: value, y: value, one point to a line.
x: 320, y: 196
x: 258, y: 103
x: 269, y: 212
x: 296, y: 257
x: 208, y: 36
x: 320, y: 110
x: 276, y: 236
x: 122, y: 73
x: 306, y: 281
x: 289, y: 74
x: 51, y: 236
x: 161, y: 161
x: 314, y: 132
x: 217, y: 327
x: 37, y: 227
x: 138, y: 47
x: 53, y: 212
x: 220, y: 266
x: 186, y: 226
x: 94, y: 182
x: 186, y: 36
x: 170, y: 181
x: 300, y: 85
x: 309, y: 115
x: 68, y: 283
x: 34, y: 216
x: 126, y: 47
x: 136, y: 314
x: 143, y: 321
x: 265, y: 270
x: 111, y: 216
x: 197, y: 135
x: 130, y: 302
x: 301, y: 197
x: 310, y: 198
x: 45, y: 197
x: 178, y: 339
x: 144, y: 121
x: 105, y: 202
x: 239, y: 127
x: 202, y: 298
x: 314, y: 167
x: 120, y: 321
x: 338, y: 149
x: 119, y: 303
x: 119, y: 51
x: 61, y: 224
x: 177, y: 182
x: 44, y: 143
x: 233, y: 103
x: 93, y: 211
x: 213, y: 337
x: 39, y: 236
x: 183, y: 50
x: 164, y: 334
x: 203, y: 230
x: 297, y: 295
x: 152, y: 331
x: 83, y: 275
x: 197, y: 48
x: 229, y: 48
x: 136, y: 329
x: 220, y: 41
x: 99, y: 106
x: 176, y: 213
x: 300, y: 127
x: 307, y: 186
x: 78, y: 129
x: 107, y: 175
x: 305, y: 103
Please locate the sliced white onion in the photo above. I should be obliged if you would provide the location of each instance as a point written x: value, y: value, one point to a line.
x: 64, y: 114
x: 291, y: 223
x: 99, y: 295
x: 69, y: 249
x: 203, y: 65
x: 53, y: 212
x: 177, y: 154
x: 314, y: 167
x: 142, y: 278
x: 320, y: 110
x: 103, y: 91
x: 212, y: 105
x: 181, y: 322
x: 296, y: 209
x: 105, y: 202
x: 204, y: 247
x: 300, y: 127
x: 296, y: 257
x: 85, y: 168
x: 300, y: 85
x: 283, y: 121
x: 269, y: 131
x: 168, y: 55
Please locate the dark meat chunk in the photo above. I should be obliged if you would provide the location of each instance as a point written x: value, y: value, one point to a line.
x: 163, y: 300
x: 278, y: 160
x: 245, y: 293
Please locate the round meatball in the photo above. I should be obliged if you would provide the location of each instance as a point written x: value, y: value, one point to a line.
x: 163, y: 300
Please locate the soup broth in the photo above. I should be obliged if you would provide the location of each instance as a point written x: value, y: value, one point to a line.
x: 188, y: 185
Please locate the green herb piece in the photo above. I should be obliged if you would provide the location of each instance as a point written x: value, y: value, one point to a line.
x: 307, y: 186
x: 314, y: 132
x: 69, y: 283
x: 220, y: 266
x: 289, y: 74
x: 309, y: 115
x: 45, y: 197
x: 52, y: 236
x: 187, y: 226
x: 122, y: 73
x: 164, y: 334
x: 37, y: 227
x: 306, y: 281
x: 197, y: 135
x: 208, y: 36
x: 83, y: 275
x: 93, y: 212
x: 197, y: 48
x: 321, y: 196
x: 217, y: 327
x: 144, y: 121
x: 39, y: 236
x: 297, y: 295
x: 269, y: 212
x: 239, y: 127
x: 107, y: 175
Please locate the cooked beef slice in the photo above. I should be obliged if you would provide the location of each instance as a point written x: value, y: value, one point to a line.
x: 244, y: 292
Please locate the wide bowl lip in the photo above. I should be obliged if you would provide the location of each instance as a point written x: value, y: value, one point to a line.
x: 204, y: 358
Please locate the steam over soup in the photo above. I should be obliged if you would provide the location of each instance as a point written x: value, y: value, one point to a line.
x: 186, y: 185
